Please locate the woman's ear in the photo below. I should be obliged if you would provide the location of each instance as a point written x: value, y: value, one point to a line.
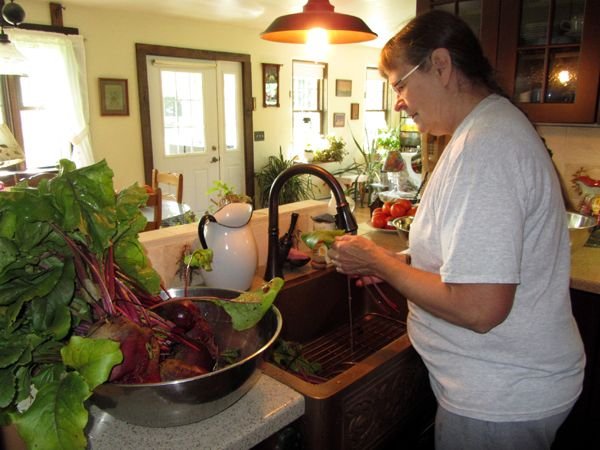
x: 442, y: 64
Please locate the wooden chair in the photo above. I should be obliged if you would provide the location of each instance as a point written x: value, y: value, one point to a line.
x: 173, y: 180
x: 155, y: 202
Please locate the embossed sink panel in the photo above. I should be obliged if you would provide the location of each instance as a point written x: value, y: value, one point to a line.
x: 380, y: 395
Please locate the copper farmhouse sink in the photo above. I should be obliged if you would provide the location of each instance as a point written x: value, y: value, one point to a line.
x: 370, y: 389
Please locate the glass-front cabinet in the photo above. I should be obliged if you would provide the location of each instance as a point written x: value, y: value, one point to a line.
x: 549, y: 58
x: 482, y: 16
x: 546, y: 52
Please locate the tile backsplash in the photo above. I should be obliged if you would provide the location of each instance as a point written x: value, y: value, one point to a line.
x: 573, y: 148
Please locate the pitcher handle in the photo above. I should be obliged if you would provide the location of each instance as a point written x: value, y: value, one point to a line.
x: 203, y: 221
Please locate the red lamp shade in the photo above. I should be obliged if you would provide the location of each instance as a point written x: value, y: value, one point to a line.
x: 340, y: 28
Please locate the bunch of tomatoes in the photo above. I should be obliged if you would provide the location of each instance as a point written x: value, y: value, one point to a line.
x: 390, y: 210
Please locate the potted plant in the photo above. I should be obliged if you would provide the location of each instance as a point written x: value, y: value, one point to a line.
x: 295, y: 189
x: 370, y: 167
x: 335, y: 151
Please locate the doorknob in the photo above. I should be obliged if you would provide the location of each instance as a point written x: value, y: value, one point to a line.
x: 214, y: 148
x: 214, y: 159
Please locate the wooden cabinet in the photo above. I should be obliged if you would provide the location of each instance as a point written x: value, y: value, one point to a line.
x: 546, y: 52
x: 483, y: 16
x: 580, y: 429
x: 548, y: 58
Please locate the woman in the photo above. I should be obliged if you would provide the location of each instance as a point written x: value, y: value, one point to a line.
x: 489, y: 278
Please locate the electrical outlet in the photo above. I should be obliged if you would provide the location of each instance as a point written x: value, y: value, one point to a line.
x: 259, y: 135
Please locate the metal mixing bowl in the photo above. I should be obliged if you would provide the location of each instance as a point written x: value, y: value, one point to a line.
x: 402, y: 224
x: 191, y: 400
x: 580, y: 229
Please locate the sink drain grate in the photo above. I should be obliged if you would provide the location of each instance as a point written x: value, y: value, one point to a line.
x: 336, y: 352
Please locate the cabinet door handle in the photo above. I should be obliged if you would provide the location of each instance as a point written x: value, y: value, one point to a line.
x: 214, y: 159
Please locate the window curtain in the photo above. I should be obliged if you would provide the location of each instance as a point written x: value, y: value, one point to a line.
x: 56, y: 64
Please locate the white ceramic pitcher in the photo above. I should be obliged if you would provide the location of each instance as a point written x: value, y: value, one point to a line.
x: 235, y: 256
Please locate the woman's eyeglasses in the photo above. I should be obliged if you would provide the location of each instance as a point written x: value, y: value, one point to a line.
x: 398, y: 87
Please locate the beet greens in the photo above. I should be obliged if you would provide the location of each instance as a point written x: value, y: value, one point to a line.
x: 69, y: 256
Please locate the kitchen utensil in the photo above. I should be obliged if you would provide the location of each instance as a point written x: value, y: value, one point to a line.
x: 580, y: 229
x: 190, y: 400
x: 402, y: 224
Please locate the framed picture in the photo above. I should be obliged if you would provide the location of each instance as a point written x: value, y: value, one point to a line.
x: 270, y: 85
x: 114, y: 97
x: 339, y: 119
x: 343, y: 88
x: 354, y: 111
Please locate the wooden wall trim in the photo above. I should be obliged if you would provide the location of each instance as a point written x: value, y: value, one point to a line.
x: 144, y: 50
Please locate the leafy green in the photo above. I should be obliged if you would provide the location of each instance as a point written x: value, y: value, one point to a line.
x: 248, y: 308
x: 68, y: 248
x: 201, y: 257
x: 289, y: 355
x: 326, y: 236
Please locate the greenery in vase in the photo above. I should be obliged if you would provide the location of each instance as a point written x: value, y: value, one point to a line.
x: 225, y: 195
x: 295, y: 189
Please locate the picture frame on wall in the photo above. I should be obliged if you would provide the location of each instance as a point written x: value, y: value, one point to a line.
x: 114, y: 97
x: 354, y: 108
x: 339, y: 119
x: 270, y: 85
x: 343, y: 88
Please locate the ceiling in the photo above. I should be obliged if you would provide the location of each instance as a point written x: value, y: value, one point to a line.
x: 384, y: 17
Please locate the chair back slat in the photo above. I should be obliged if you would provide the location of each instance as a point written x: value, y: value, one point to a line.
x: 171, y: 179
x: 155, y: 202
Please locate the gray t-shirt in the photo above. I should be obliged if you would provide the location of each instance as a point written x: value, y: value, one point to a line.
x: 493, y: 213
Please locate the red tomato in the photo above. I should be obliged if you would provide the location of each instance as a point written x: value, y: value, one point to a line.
x: 387, y: 206
x: 376, y: 211
x: 398, y: 210
x: 379, y: 220
x: 149, y: 189
x: 406, y: 204
x: 412, y: 211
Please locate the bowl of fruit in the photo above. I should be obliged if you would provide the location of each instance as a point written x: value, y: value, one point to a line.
x: 381, y: 218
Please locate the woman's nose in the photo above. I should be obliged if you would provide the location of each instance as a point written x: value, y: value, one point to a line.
x: 400, y: 104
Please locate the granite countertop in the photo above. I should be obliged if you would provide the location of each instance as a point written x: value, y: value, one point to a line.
x: 268, y: 407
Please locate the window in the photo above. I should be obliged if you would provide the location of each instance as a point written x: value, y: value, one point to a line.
x: 47, y: 110
x: 182, y: 105
x: 308, y: 98
x: 375, y: 104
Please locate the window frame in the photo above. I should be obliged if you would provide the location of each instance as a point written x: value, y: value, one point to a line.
x: 321, y: 97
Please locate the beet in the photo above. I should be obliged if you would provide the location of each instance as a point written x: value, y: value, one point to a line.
x: 139, y: 347
x: 174, y: 369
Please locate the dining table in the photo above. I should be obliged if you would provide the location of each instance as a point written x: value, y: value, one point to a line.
x: 173, y: 213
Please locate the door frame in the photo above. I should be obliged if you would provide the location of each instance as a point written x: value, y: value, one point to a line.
x: 143, y: 50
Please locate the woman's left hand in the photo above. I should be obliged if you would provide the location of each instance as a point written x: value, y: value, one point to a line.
x: 355, y: 255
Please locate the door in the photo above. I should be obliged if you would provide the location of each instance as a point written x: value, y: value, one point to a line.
x: 196, y: 124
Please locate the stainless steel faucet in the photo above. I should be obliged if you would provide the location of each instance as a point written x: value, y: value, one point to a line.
x: 344, y: 218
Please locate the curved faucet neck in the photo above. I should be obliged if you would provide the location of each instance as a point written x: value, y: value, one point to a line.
x: 346, y: 219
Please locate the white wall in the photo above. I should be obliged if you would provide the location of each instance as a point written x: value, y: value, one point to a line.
x: 110, y: 37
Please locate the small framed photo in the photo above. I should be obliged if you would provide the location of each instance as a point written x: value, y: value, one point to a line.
x: 339, y: 119
x: 343, y: 88
x: 270, y: 85
x: 354, y: 111
x: 114, y: 97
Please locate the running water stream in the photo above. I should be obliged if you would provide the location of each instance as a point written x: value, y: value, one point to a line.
x: 350, y: 315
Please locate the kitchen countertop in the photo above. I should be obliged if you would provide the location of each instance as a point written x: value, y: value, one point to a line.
x: 268, y: 407
x: 585, y: 262
x: 585, y: 269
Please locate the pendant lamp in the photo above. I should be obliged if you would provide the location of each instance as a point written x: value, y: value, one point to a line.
x: 318, y: 14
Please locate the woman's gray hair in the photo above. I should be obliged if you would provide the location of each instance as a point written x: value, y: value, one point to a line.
x: 439, y: 29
